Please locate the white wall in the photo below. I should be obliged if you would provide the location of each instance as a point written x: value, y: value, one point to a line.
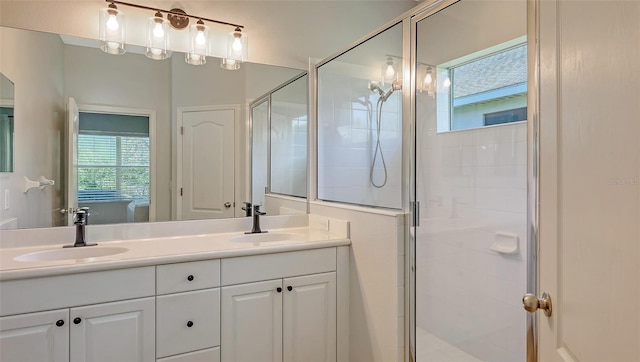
x: 34, y: 62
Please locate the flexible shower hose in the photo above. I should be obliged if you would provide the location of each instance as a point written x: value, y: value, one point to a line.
x: 378, y: 147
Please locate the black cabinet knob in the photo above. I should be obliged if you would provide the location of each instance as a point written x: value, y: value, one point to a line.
x: 77, y: 320
x: 60, y: 323
x: 190, y: 278
x: 279, y: 290
x: 189, y: 324
x: 289, y: 288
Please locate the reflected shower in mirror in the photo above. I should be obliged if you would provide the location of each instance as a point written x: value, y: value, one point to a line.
x: 6, y: 123
x: 281, y: 186
x: 192, y: 171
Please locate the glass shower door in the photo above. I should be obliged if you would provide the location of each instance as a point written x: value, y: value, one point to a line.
x: 471, y: 182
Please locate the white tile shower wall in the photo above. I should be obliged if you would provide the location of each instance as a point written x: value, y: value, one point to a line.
x: 289, y: 154
x: 347, y: 143
x: 472, y: 184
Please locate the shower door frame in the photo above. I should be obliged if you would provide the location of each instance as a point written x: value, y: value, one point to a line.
x: 533, y: 129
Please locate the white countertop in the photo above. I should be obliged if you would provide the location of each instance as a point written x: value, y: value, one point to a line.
x: 162, y: 250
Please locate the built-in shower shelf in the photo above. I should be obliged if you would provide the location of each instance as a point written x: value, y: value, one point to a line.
x: 506, y: 243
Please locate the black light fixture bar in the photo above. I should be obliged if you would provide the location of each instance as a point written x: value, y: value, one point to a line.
x: 179, y: 14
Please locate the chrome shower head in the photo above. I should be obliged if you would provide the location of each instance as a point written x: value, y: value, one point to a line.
x: 374, y: 87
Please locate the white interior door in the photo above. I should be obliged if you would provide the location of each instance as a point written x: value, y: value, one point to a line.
x: 589, y: 259
x: 73, y: 125
x: 207, y: 187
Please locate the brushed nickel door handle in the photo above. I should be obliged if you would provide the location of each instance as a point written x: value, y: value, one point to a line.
x: 531, y: 303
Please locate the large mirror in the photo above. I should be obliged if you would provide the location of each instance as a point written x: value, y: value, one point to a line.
x: 133, y: 139
x: 6, y: 124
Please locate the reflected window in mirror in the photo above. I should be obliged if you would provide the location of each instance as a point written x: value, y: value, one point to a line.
x: 113, y: 167
x: 6, y: 124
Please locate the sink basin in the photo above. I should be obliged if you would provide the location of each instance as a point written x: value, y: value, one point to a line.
x: 72, y: 253
x: 264, y: 238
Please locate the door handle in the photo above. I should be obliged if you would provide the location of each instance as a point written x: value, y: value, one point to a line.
x: 227, y: 205
x: 531, y: 303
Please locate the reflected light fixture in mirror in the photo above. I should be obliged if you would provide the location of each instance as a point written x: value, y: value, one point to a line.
x: 157, y: 37
x: 198, y: 44
x: 112, y: 30
x: 112, y: 35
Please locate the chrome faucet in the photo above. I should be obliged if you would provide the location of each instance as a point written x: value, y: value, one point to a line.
x: 256, y: 221
x: 80, y: 220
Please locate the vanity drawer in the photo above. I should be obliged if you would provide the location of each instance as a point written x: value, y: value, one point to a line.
x: 207, y: 355
x: 187, y: 322
x: 182, y: 277
x: 254, y: 268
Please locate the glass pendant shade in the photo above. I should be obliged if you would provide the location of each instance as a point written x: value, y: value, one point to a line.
x: 237, y: 45
x: 112, y: 30
x: 198, y: 44
x: 157, y: 37
x: 229, y: 64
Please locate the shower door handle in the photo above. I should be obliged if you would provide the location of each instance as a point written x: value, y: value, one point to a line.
x: 531, y: 303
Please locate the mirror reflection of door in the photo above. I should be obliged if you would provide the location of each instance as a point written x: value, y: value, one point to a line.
x: 113, y: 166
x: 206, y: 171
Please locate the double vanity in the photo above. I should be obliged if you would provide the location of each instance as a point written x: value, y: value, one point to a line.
x: 276, y: 296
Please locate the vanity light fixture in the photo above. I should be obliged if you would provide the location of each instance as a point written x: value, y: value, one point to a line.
x: 229, y: 64
x: 112, y: 35
x: 237, y: 45
x: 157, y: 37
x: 112, y: 30
x: 198, y: 44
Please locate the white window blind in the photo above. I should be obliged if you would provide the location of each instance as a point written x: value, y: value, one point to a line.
x: 113, y: 166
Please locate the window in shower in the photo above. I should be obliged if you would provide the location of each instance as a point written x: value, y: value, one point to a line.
x: 485, y: 88
x: 360, y: 123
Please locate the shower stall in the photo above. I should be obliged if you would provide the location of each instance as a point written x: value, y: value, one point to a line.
x: 429, y: 115
x: 471, y: 182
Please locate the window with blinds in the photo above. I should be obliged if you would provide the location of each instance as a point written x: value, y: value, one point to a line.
x: 113, y: 159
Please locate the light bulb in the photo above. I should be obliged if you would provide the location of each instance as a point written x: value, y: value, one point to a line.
x: 200, y: 39
x: 390, y: 71
x: 112, y: 22
x: 237, y: 45
x: 428, y: 79
x: 158, y: 32
x: 447, y: 82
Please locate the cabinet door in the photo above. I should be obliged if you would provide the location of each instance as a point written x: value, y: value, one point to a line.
x: 309, y: 312
x: 41, y: 337
x: 119, y: 331
x: 252, y: 322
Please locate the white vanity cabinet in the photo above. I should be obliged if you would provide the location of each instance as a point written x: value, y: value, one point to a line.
x: 188, y: 311
x: 35, y: 337
x: 292, y: 318
x: 72, y: 331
